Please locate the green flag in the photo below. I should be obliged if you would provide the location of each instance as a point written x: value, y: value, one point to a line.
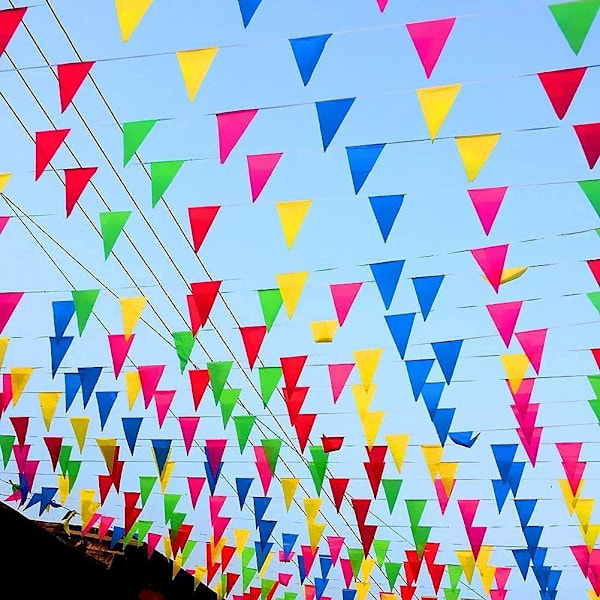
x: 451, y: 594
x: 73, y: 471
x: 381, y: 547
x: 270, y: 303
x: 420, y: 535
x: 146, y: 485
x: 243, y: 427
x: 595, y: 406
x: 272, y: 448
x: 269, y: 378
x: 266, y: 585
x: 218, y: 372
x: 84, y: 301
x: 111, y: 225
x: 248, y: 574
x: 591, y: 188
x: 594, y: 298
x: 177, y: 520
x: 228, y: 400
x: 391, y: 571
x: 134, y: 133
x: 187, y: 550
x: 356, y: 556
x: 64, y: 456
x: 455, y: 573
x: 290, y: 595
x: 247, y: 555
x: 162, y: 174
x: 170, y: 502
x: 318, y: 466
x: 575, y: 20
x: 391, y: 487
x: 184, y: 344
x: 415, y: 510
x: 143, y: 527
x: 6, y: 446
x: 594, y: 381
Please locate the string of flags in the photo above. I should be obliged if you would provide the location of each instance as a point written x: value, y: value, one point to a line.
x: 238, y: 466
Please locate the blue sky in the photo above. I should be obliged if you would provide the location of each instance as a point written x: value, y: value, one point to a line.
x: 494, y: 53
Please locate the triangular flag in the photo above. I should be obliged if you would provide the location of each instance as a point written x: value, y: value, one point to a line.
x: 8, y: 304
x: 9, y: 21
x: 361, y: 160
x: 252, y: 338
x: 162, y: 174
x: 80, y: 427
x: 162, y: 401
x: 532, y: 343
x: 561, y: 87
x: 119, y: 347
x: 343, y: 295
x: 48, y: 404
x: 289, y: 487
x: 516, y: 366
x: 429, y: 39
x: 307, y: 52
x: 111, y: 225
x: 269, y: 379
x: 436, y: 104
x: 487, y: 202
x: 184, y: 345
x: 591, y: 189
x: 194, y: 65
x: 331, y: 114
x: 385, y: 209
x: 70, y: 78
x: 131, y: 429
x: 84, y: 305
x: 338, y: 376
x: 491, y: 261
x: 575, y: 19
x: 270, y: 304
x: 505, y: 315
x: 58, y: 350
x: 201, y: 220
x: 291, y: 286
x: 130, y: 13
x: 427, y: 289
x: 475, y: 150
x: 131, y: 310
x: 4, y: 341
x: 243, y: 427
x: 248, y: 8
x: 231, y: 126
x: 46, y: 146
x: 447, y: 355
x: 188, y: 426
x: 62, y: 313
x: 218, y: 373
x: 106, y: 401
x: 292, y: 215
x: 400, y: 327
x: 589, y: 138
x: 387, y: 274
x: 150, y: 376
x: 134, y: 133
x: 205, y: 293
x: 260, y: 169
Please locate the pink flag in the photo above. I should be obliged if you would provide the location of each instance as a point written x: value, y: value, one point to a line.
x: 163, y: 401
x: 487, y: 202
x: 531, y: 442
x: 3, y: 222
x: 491, y: 261
x: 263, y: 468
x: 260, y: 169
x: 532, y: 343
x: 119, y: 348
x: 95, y: 518
x: 505, y: 315
x: 8, y: 303
x: 476, y: 535
x: 443, y: 497
x: 188, y: 425
x: 382, y: 4
x: 231, y: 126
x: 152, y: 541
x: 338, y: 375
x: 195, y: 484
x: 335, y: 544
x: 526, y: 418
x: 105, y: 523
x: 523, y: 395
x: 429, y: 38
x: 343, y: 295
x: 149, y: 378
x: 569, y: 451
x: 214, y: 453
x: 468, y: 508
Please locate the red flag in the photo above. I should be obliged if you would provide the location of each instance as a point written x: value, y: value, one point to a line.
x: 331, y: 444
x: 304, y: 424
x: 201, y: 220
x: 361, y: 508
x: 199, y: 380
x: 9, y: 21
x: 292, y: 367
x: 53, y: 444
x: 338, y: 489
x: 253, y: 338
x: 46, y: 145
x: 596, y: 355
x: 589, y: 138
x: 374, y: 474
x: 594, y: 266
x: 294, y: 399
x: 194, y: 316
x: 205, y: 294
x: 104, y: 485
x: 70, y: 78
x: 20, y: 425
x: 75, y: 182
x: 561, y: 87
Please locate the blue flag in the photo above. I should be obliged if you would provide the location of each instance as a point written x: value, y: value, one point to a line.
x: 260, y: 507
x: 525, y: 509
x: 442, y: 420
x: 426, y: 289
x: 400, y: 327
x: 106, y: 400
x: 72, y: 385
x: 387, y: 274
x: 361, y: 160
x: 307, y: 52
x: 59, y: 347
x: 385, y: 209
x: 432, y: 392
x: 161, y: 449
x: 447, y: 355
x: 504, y: 454
x: 248, y: 8
x: 131, y: 428
x: 466, y: 439
x: 331, y: 114
x: 242, y: 485
x: 62, y: 311
x: 89, y: 378
x: 418, y: 371
x: 265, y: 529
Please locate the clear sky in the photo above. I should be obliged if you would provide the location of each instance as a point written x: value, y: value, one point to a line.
x: 495, y: 52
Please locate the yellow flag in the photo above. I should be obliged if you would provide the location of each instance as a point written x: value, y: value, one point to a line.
x: 363, y: 397
x: 511, y: 273
x: 168, y: 547
x: 130, y: 13
x: 63, y: 488
x: 194, y: 65
x: 133, y: 385
x: 131, y: 310
x: 199, y: 573
x: 367, y: 568
x: 570, y: 499
x: 107, y: 447
x: 387, y: 596
x: 371, y: 422
x: 323, y: 332
x: 315, y: 532
x: 448, y: 475
x: 80, y: 427
x: 292, y: 215
x: 176, y: 565
x: 3, y: 346
x: 515, y: 366
x: 265, y: 566
x: 241, y: 538
x: 487, y: 577
x: 467, y: 562
x: 215, y: 551
x: 48, y: 404
x: 593, y: 595
x: 291, y: 286
x: 590, y: 536
x: 366, y: 363
x: 88, y: 507
x: 4, y: 177
x: 166, y: 475
x: 398, y: 443
x: 433, y: 456
x: 289, y: 485
x: 436, y: 103
x: 362, y: 590
x: 312, y: 507
x: 583, y: 510
x: 474, y: 151
x: 19, y: 376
